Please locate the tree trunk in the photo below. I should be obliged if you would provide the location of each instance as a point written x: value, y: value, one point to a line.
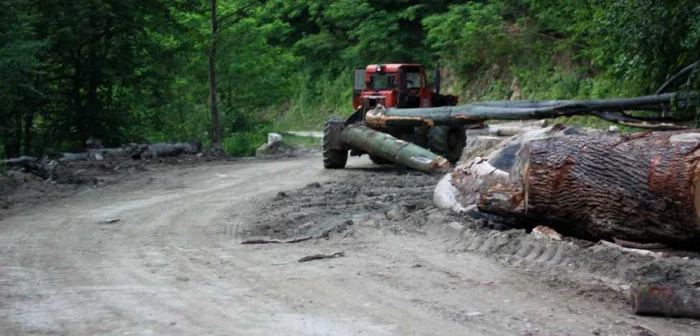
x: 665, y: 301
x: 78, y: 110
x: 16, y: 141
x: 394, y: 150
x: 381, y: 117
x: 643, y: 187
x: 215, y: 129
x: 28, y: 125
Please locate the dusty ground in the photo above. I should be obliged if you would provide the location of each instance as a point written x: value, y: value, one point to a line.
x: 173, y: 262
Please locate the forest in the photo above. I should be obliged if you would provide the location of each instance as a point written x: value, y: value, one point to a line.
x: 119, y: 71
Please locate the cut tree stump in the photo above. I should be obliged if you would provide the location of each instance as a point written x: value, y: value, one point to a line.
x: 643, y: 187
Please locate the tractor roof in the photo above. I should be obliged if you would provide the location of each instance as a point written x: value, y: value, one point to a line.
x: 390, y: 67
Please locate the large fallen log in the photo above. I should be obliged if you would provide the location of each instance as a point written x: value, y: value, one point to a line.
x: 613, y: 110
x: 165, y: 150
x: 394, y: 150
x: 643, y: 187
x: 665, y: 301
x: 43, y: 168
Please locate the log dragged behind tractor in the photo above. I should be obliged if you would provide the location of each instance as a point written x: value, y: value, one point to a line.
x: 380, y: 146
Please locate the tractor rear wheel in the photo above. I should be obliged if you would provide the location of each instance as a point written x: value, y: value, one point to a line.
x: 447, y: 141
x: 333, y: 158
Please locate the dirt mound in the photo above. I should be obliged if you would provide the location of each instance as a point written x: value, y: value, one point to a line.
x: 20, y: 189
x: 388, y: 198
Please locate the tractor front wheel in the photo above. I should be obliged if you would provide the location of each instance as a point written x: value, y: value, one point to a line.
x: 333, y: 158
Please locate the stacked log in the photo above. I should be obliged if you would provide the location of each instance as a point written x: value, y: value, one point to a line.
x: 48, y: 169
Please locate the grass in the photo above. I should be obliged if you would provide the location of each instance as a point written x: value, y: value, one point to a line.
x: 300, y: 141
x: 308, y: 119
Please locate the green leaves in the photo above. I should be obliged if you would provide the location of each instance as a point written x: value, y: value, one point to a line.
x: 125, y: 70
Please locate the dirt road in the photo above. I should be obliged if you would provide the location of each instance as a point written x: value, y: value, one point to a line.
x: 173, y: 265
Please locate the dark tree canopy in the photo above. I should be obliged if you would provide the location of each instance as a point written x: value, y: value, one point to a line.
x: 126, y: 70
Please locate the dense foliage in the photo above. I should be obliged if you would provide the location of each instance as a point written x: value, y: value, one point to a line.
x: 126, y: 70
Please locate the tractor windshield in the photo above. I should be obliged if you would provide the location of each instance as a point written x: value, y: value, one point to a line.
x: 413, y: 80
x: 382, y: 81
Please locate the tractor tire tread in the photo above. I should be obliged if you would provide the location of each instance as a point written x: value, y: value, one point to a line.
x: 332, y: 158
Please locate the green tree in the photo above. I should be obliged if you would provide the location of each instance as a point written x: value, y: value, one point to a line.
x: 20, y: 66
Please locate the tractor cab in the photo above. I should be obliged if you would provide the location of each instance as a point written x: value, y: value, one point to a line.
x: 396, y: 85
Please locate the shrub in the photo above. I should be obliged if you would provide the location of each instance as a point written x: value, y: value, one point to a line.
x: 243, y: 143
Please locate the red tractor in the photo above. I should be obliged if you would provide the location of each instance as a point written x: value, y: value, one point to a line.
x: 402, y: 86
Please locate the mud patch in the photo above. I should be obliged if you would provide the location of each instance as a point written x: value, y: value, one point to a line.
x: 395, y: 199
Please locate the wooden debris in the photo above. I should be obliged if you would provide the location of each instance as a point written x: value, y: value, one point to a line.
x: 43, y: 168
x: 481, y: 167
x: 665, y: 301
x: 252, y: 241
x: 49, y: 169
x: 545, y: 232
x: 322, y: 256
x: 632, y: 250
x: 643, y: 246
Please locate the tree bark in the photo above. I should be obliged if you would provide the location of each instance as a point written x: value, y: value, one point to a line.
x: 643, y: 187
x: 393, y: 150
x: 213, y: 103
x: 14, y: 147
x: 665, y: 301
x: 43, y: 168
x: 166, y: 149
x: 28, y: 125
x: 381, y: 117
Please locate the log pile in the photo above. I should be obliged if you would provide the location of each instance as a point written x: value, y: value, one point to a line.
x: 49, y: 169
x: 43, y: 167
